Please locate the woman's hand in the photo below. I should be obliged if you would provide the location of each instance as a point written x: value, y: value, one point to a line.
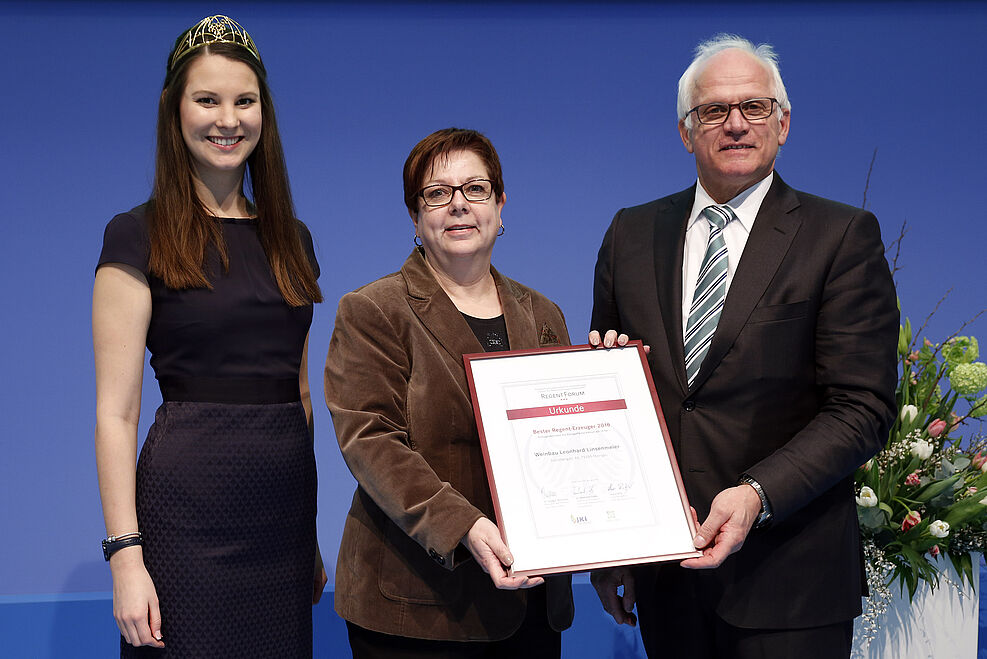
x: 489, y: 550
x: 610, y: 339
x: 319, y: 583
x: 135, y: 602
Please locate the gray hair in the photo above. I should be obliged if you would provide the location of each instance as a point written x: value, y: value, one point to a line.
x: 764, y: 52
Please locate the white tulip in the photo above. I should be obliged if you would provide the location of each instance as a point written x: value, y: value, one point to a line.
x: 867, y: 498
x: 909, y: 413
x: 921, y: 449
x: 939, y: 528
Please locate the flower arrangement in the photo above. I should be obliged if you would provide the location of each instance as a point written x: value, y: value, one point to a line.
x: 925, y: 495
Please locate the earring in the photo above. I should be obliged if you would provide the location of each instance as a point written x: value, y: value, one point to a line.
x: 501, y: 232
x: 417, y: 241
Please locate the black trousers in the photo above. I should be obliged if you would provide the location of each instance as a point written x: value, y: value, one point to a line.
x: 677, y: 619
x: 534, y: 639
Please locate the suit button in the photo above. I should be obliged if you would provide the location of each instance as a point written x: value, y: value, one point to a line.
x: 434, y: 555
x: 689, y: 405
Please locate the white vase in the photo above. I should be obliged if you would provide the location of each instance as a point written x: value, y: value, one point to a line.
x: 935, y: 625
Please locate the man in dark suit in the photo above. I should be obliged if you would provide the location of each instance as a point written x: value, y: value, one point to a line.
x: 772, y: 321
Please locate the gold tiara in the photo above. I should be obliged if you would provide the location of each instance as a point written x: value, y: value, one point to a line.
x: 210, y: 30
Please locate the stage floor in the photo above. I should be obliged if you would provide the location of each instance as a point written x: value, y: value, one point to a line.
x: 82, y: 627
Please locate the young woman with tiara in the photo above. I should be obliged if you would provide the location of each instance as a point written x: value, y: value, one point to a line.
x: 212, y: 540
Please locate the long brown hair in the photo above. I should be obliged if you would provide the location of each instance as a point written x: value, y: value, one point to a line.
x: 180, y: 228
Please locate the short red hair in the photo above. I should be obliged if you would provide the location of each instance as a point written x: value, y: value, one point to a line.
x: 441, y: 143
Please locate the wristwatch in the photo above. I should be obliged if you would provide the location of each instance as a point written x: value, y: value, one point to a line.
x: 113, y: 544
x: 765, y: 517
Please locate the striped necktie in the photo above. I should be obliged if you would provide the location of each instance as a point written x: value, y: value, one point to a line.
x: 711, y: 291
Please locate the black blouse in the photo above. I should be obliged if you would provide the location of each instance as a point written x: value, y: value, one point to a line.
x: 490, y: 332
x: 241, y: 328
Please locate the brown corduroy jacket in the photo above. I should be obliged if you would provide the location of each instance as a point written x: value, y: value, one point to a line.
x: 396, y: 387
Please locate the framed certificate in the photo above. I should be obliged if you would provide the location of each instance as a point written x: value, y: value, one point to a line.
x: 580, y: 466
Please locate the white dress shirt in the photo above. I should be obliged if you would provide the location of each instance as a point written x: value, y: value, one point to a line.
x: 745, y: 206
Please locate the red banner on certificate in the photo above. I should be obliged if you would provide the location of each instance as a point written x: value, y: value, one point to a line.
x: 562, y: 410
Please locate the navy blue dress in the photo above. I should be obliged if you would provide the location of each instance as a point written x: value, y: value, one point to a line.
x: 226, y: 483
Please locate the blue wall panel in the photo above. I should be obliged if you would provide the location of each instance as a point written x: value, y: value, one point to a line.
x: 579, y: 100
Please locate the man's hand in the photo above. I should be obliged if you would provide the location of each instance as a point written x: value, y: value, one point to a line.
x: 621, y: 607
x: 489, y: 550
x: 610, y: 339
x: 731, y: 517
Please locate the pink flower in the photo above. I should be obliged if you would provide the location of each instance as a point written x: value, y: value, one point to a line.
x: 980, y: 461
x: 912, y: 479
x: 971, y: 490
x: 913, y: 356
x: 934, y: 551
x: 936, y: 428
x: 911, y: 519
x: 927, y: 343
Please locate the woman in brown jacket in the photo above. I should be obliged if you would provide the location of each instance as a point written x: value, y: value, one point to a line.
x: 422, y: 567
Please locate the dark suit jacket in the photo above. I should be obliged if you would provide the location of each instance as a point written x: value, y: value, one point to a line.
x: 396, y: 386
x: 797, y: 389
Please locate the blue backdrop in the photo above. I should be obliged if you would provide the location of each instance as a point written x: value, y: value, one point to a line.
x: 578, y: 98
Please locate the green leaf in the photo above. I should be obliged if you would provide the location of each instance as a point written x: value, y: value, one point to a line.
x: 963, y: 564
x: 943, y: 500
x: 871, y: 518
x: 873, y: 477
x: 965, y: 511
x: 912, y: 556
x: 968, y: 570
x: 933, y: 489
x: 925, y: 542
x: 957, y: 561
x: 911, y: 578
x: 967, y: 562
x: 911, y: 537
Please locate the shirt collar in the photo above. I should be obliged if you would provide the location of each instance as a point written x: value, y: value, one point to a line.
x: 745, y: 205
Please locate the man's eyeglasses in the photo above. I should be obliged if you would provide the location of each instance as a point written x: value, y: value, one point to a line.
x: 753, y: 109
x: 439, y: 195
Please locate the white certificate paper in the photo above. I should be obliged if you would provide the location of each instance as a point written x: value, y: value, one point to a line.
x: 578, y: 458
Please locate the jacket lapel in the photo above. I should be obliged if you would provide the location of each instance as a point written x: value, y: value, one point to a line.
x: 445, y: 322
x: 670, y: 226
x: 518, y: 315
x: 772, y: 235
x: 436, y: 311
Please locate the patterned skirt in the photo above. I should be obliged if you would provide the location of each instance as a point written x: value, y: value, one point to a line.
x: 226, y: 500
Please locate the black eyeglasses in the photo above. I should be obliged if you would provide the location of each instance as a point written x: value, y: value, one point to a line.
x: 439, y: 195
x: 753, y: 109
